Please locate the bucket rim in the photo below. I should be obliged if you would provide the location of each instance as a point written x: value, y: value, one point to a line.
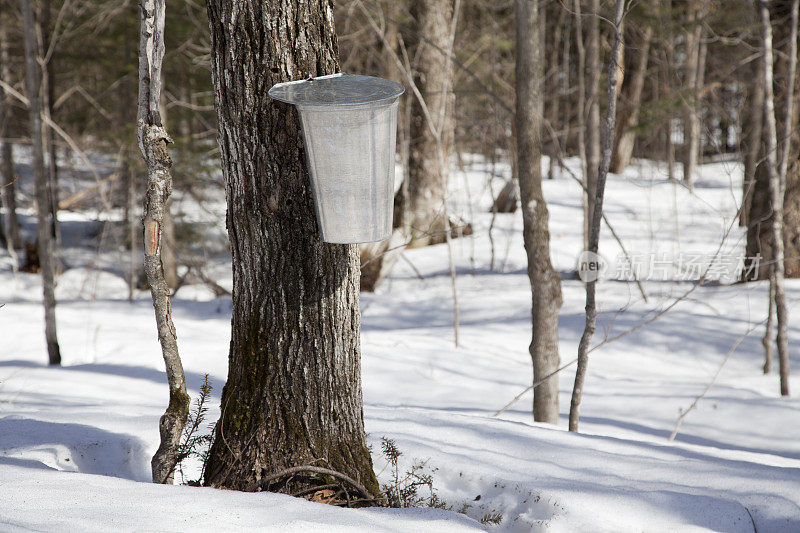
x: 353, y: 90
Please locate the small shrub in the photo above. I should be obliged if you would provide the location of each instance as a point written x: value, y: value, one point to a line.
x: 193, y: 443
x: 414, y: 487
x: 492, y: 518
x: 405, y: 489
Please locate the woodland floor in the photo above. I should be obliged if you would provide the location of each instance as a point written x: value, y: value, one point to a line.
x: 76, y: 441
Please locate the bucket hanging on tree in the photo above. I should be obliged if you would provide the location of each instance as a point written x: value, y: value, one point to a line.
x: 349, y: 127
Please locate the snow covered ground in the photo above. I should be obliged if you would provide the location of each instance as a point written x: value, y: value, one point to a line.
x: 75, y: 442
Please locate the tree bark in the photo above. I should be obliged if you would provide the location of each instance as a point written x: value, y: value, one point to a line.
x: 378, y: 258
x: 759, y: 228
x: 668, y: 60
x: 545, y: 281
x: 593, y: 120
x: 776, y: 172
x: 427, y: 167
x: 169, y: 256
x: 753, y: 132
x: 9, y: 189
x: 781, y: 309
x: 581, y: 112
x: 631, y: 98
x: 33, y: 80
x: 553, y: 81
x: 153, y: 141
x: 48, y: 95
x: 691, y: 118
x: 293, y: 395
x: 597, y: 216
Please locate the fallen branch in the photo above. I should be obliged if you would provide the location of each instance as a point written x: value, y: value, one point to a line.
x: 85, y: 194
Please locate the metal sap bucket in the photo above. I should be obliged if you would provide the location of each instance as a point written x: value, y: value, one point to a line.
x: 349, y: 128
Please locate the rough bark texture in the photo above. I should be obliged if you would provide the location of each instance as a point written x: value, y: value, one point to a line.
x: 545, y: 282
x: 169, y: 256
x: 153, y: 141
x: 427, y: 176
x: 637, y: 54
x: 597, y: 216
x: 9, y: 190
x: 293, y: 395
x: 44, y: 215
x: 759, y: 227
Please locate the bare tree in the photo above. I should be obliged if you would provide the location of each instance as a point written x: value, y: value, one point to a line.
x: 553, y: 81
x: 44, y: 30
x: 597, y: 217
x: 292, y: 405
x: 581, y: 113
x: 693, y: 37
x: 153, y: 141
x: 638, y: 51
x: 545, y: 281
x: 752, y: 130
x: 378, y: 258
x: 593, y: 140
x: 33, y: 81
x: 776, y: 173
x: 760, y: 238
x: 427, y: 169
x: 8, y: 185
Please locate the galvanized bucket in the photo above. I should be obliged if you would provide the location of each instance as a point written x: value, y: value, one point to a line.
x: 349, y: 127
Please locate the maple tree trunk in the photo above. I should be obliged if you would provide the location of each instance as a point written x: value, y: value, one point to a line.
x: 293, y: 395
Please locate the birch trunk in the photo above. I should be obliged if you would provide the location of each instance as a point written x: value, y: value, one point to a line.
x: 760, y: 217
x: 153, y: 141
x: 293, y: 396
x: 777, y: 178
x: 33, y: 84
